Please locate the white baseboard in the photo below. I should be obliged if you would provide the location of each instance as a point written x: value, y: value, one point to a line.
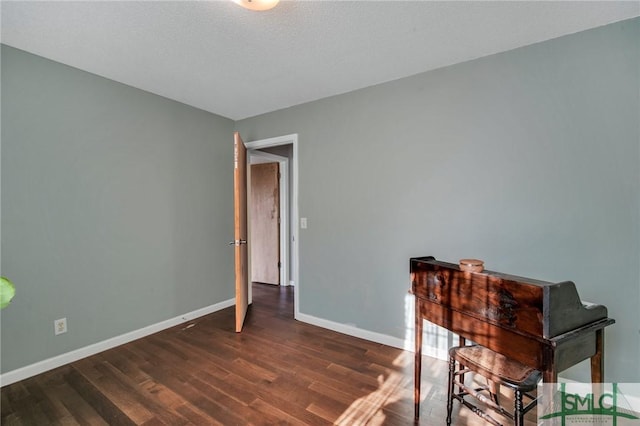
x: 384, y: 339
x: 66, y: 358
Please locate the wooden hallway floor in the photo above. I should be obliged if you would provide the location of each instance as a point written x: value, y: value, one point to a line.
x: 278, y: 371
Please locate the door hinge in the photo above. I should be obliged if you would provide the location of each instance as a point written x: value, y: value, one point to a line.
x: 279, y: 265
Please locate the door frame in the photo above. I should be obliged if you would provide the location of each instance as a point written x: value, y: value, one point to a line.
x: 294, y: 238
x: 283, y: 188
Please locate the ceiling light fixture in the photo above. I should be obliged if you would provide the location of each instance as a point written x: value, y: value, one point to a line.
x: 257, y: 5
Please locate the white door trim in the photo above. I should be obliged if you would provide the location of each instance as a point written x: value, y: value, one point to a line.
x: 294, y: 237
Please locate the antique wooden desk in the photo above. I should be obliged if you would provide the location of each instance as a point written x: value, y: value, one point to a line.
x: 541, y: 324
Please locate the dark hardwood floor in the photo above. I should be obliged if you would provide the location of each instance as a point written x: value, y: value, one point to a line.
x: 277, y: 371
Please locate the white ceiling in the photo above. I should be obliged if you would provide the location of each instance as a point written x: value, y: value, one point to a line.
x: 221, y: 58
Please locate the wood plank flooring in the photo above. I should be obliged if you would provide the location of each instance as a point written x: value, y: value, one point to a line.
x: 278, y: 371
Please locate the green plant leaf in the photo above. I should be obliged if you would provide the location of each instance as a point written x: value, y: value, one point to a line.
x: 7, y: 291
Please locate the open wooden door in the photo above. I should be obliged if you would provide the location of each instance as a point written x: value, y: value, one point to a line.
x: 240, y: 228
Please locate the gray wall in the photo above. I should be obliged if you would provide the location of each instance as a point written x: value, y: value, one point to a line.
x: 116, y: 203
x: 116, y: 208
x: 528, y: 159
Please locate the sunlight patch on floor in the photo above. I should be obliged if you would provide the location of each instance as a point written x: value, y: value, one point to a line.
x: 369, y: 410
x: 398, y: 383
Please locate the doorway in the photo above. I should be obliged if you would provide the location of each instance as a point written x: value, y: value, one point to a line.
x: 268, y: 218
x: 284, y: 151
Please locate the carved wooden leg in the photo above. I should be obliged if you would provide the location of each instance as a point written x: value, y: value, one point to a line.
x: 452, y: 370
x: 418, y: 360
x: 550, y: 376
x: 597, y: 360
x: 597, y: 366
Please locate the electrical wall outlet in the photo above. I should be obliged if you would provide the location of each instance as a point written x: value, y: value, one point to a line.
x: 60, y: 326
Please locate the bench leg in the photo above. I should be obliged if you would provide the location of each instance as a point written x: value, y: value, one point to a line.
x: 518, y: 415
